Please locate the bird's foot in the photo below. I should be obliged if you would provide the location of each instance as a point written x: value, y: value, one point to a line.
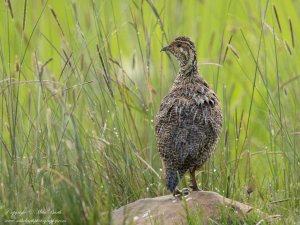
x: 185, y: 191
x: 181, y: 193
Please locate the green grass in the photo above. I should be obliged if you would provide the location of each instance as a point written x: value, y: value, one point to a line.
x: 81, y: 82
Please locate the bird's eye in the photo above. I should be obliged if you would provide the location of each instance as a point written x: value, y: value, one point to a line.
x: 178, y: 45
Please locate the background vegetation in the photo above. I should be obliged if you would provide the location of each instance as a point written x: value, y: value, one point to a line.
x: 81, y: 82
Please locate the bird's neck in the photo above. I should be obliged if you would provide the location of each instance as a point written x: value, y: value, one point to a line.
x: 188, y: 68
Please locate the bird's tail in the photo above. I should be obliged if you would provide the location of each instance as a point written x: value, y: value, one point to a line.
x: 172, y: 179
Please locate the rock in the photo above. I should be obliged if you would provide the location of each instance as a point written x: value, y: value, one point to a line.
x: 169, y: 210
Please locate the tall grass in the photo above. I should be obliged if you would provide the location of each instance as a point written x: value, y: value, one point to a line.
x: 81, y: 82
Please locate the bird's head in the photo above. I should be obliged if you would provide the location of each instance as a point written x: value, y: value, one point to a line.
x: 185, y: 52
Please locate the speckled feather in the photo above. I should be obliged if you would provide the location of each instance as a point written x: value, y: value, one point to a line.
x: 189, y: 120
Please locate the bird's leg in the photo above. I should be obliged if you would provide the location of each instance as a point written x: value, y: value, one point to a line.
x: 193, y: 184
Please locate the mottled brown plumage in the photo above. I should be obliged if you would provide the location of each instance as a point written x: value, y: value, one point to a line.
x: 189, y: 120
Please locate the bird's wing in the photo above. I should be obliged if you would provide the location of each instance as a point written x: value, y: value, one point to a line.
x: 181, y: 125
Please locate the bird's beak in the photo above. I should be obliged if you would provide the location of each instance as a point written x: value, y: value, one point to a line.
x: 166, y: 48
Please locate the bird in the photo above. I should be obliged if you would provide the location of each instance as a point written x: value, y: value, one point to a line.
x: 188, y: 122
